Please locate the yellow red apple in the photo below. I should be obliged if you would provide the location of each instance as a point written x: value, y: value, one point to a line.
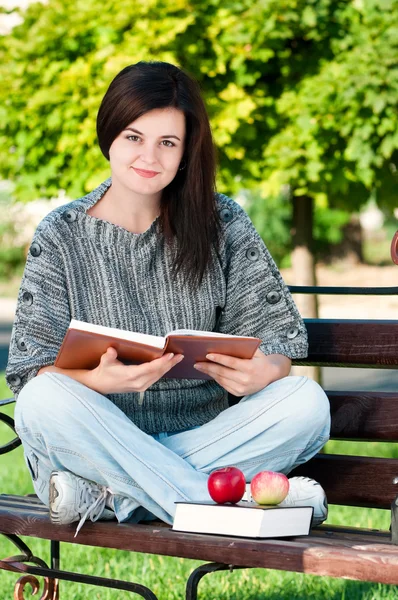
x: 269, y: 487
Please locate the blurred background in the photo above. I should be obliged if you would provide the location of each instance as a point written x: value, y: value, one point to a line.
x: 303, y: 98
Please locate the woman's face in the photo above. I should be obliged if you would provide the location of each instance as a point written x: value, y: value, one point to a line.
x: 145, y: 156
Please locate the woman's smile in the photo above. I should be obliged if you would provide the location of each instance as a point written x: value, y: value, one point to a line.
x: 146, y: 174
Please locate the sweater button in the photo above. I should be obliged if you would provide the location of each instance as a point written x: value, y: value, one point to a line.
x: 21, y: 345
x: 27, y: 298
x: 273, y: 297
x: 292, y: 333
x: 35, y: 249
x: 70, y: 216
x: 253, y: 254
x: 226, y: 215
x: 14, y: 380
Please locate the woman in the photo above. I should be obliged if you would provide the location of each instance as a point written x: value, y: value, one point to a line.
x: 153, y: 249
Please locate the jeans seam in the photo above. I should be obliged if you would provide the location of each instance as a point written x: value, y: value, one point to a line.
x: 61, y: 450
x: 237, y: 426
x: 22, y: 430
x: 318, y: 438
x: 297, y: 451
x: 138, y: 458
x: 260, y: 460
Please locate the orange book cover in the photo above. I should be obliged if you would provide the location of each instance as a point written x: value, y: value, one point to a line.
x: 84, y: 344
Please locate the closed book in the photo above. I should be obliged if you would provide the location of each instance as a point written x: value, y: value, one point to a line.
x: 244, y: 519
x: 84, y: 344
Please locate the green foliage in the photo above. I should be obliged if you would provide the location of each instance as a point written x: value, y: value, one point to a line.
x: 11, y: 258
x: 272, y: 218
x: 302, y: 92
x: 12, y: 253
x: 329, y: 224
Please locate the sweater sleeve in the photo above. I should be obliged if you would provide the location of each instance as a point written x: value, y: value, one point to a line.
x: 42, y: 313
x: 258, y: 302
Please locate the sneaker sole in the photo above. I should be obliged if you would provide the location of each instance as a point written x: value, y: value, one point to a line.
x: 53, y: 495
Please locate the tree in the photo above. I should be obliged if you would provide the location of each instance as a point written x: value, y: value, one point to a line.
x: 301, y: 93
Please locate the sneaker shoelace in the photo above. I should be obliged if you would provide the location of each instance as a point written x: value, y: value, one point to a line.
x: 92, y: 500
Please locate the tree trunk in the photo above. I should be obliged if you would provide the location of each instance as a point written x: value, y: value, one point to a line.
x: 303, y: 264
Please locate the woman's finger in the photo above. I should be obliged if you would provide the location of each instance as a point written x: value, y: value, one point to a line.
x: 219, y: 371
x: 228, y: 385
x: 109, y: 356
x: 156, y: 368
x: 228, y: 361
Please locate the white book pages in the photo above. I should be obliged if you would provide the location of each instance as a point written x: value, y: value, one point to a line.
x: 141, y: 338
x: 243, y: 520
x: 205, y: 333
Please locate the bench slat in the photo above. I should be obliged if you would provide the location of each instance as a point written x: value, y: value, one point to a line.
x: 369, y: 558
x: 352, y: 343
x: 354, y: 480
x: 364, y: 416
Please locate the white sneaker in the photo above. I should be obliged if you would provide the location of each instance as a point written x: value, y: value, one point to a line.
x: 73, y: 498
x: 247, y: 496
x: 303, y: 491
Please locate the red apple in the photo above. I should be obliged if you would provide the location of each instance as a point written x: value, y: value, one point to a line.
x: 269, y: 487
x: 226, y: 485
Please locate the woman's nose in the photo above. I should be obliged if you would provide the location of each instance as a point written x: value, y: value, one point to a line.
x: 148, y: 154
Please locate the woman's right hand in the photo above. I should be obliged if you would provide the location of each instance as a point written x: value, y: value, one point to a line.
x: 113, y: 377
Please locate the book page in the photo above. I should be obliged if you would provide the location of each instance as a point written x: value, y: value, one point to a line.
x: 141, y: 338
x: 198, y: 332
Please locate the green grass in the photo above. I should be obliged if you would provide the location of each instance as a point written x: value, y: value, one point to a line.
x: 167, y: 576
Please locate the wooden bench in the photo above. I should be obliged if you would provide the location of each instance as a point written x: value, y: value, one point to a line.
x: 344, y: 552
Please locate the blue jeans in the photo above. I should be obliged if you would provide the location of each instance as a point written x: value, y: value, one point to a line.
x: 65, y: 425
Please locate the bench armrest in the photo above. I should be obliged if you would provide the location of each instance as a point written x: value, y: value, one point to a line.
x: 7, y: 401
x: 394, y: 248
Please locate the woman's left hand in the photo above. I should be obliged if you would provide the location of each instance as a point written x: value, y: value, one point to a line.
x: 242, y: 377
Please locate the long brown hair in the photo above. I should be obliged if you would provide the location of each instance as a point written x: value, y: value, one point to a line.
x: 188, y: 213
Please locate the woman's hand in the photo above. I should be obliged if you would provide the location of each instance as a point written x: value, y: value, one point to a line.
x: 113, y: 377
x: 242, y: 377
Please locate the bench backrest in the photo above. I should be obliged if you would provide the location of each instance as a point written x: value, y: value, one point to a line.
x: 360, y: 416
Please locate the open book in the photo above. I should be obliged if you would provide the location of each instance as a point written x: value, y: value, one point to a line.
x: 84, y: 344
x: 245, y: 519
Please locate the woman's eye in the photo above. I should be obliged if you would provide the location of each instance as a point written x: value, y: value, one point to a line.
x: 136, y: 138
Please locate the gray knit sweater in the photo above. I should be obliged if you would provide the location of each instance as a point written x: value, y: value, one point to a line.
x: 85, y: 268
